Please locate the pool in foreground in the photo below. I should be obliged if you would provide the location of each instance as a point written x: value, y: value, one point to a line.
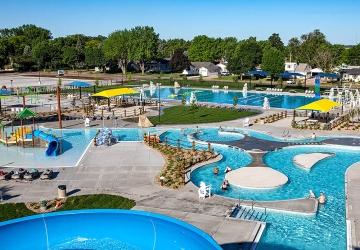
x: 102, y: 229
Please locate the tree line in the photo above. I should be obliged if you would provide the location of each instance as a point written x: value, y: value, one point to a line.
x: 29, y: 47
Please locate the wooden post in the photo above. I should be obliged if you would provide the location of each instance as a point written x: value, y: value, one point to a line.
x: 166, y: 144
x: 24, y: 104
x: 178, y: 144
x: 32, y: 137
x: 209, y: 147
x: 6, y: 139
x: 193, y: 145
x: 125, y: 112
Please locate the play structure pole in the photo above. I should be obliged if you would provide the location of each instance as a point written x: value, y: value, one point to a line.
x: 59, y: 106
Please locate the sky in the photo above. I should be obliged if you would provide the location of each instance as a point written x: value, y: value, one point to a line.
x: 337, y: 19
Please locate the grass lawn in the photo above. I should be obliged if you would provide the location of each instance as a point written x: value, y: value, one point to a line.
x: 15, y: 210
x: 190, y: 115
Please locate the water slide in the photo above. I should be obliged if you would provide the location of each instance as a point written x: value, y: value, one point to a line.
x: 53, y: 142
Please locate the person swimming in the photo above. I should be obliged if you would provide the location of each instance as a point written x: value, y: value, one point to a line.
x: 224, y: 185
x: 322, y: 198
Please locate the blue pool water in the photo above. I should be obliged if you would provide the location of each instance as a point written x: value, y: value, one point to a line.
x: 326, y: 230
x: 215, y: 135
x: 103, y: 229
x: 73, y: 144
x: 220, y: 96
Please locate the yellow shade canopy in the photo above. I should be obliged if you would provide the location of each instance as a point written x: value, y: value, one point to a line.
x: 116, y: 92
x: 323, y: 105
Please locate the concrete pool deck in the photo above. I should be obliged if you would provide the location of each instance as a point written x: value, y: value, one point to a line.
x: 352, y: 190
x: 307, y: 161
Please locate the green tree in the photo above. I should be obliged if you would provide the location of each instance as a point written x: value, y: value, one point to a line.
x: 94, y: 57
x: 179, y: 61
x: 324, y: 58
x: 272, y: 62
x: 309, y: 44
x: 4, y: 59
x: 293, y: 49
x: 354, y: 55
x: 144, y: 44
x: 116, y: 48
x: 247, y: 55
x: 275, y: 41
x: 41, y: 54
x: 167, y: 48
x: 203, y: 49
x: 70, y: 57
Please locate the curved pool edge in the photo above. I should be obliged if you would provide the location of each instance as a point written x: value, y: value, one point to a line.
x: 148, y: 215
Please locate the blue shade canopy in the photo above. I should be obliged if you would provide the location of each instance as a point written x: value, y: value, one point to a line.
x: 258, y: 73
x: 287, y: 74
x: 5, y: 92
x: 328, y: 75
x: 79, y: 84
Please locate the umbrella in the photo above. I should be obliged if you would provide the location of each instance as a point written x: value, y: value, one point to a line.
x: 328, y: 75
x: 260, y: 73
x: 288, y: 75
x: 115, y: 92
x: 79, y: 84
x: 323, y: 105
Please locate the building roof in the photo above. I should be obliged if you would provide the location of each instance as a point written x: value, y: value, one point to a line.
x: 351, y: 71
x: 209, y: 65
x: 302, y: 67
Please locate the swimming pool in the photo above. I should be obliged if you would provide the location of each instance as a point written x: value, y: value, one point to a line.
x: 226, y: 97
x: 73, y: 143
x: 103, y: 229
x: 326, y: 230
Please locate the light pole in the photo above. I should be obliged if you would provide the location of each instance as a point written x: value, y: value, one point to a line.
x: 159, y: 84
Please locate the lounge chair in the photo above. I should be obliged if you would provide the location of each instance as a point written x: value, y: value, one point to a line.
x: 47, y: 174
x: 32, y: 174
x: 3, y: 175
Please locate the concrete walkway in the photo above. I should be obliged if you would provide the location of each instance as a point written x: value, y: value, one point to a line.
x: 352, y: 190
x: 307, y: 161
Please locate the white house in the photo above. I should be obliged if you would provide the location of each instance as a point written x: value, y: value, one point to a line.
x: 301, y: 68
x: 352, y: 75
x: 207, y: 68
x: 223, y: 68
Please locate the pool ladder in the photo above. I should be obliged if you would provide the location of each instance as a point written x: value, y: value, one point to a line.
x: 249, y: 213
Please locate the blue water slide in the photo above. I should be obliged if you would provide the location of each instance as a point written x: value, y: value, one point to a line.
x: 53, y: 142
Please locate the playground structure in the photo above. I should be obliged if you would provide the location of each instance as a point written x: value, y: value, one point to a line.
x: 26, y: 136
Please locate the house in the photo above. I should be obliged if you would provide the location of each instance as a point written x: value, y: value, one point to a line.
x: 206, y: 69
x: 223, y: 68
x: 352, y: 74
x: 301, y: 68
x: 191, y: 71
x: 157, y: 66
